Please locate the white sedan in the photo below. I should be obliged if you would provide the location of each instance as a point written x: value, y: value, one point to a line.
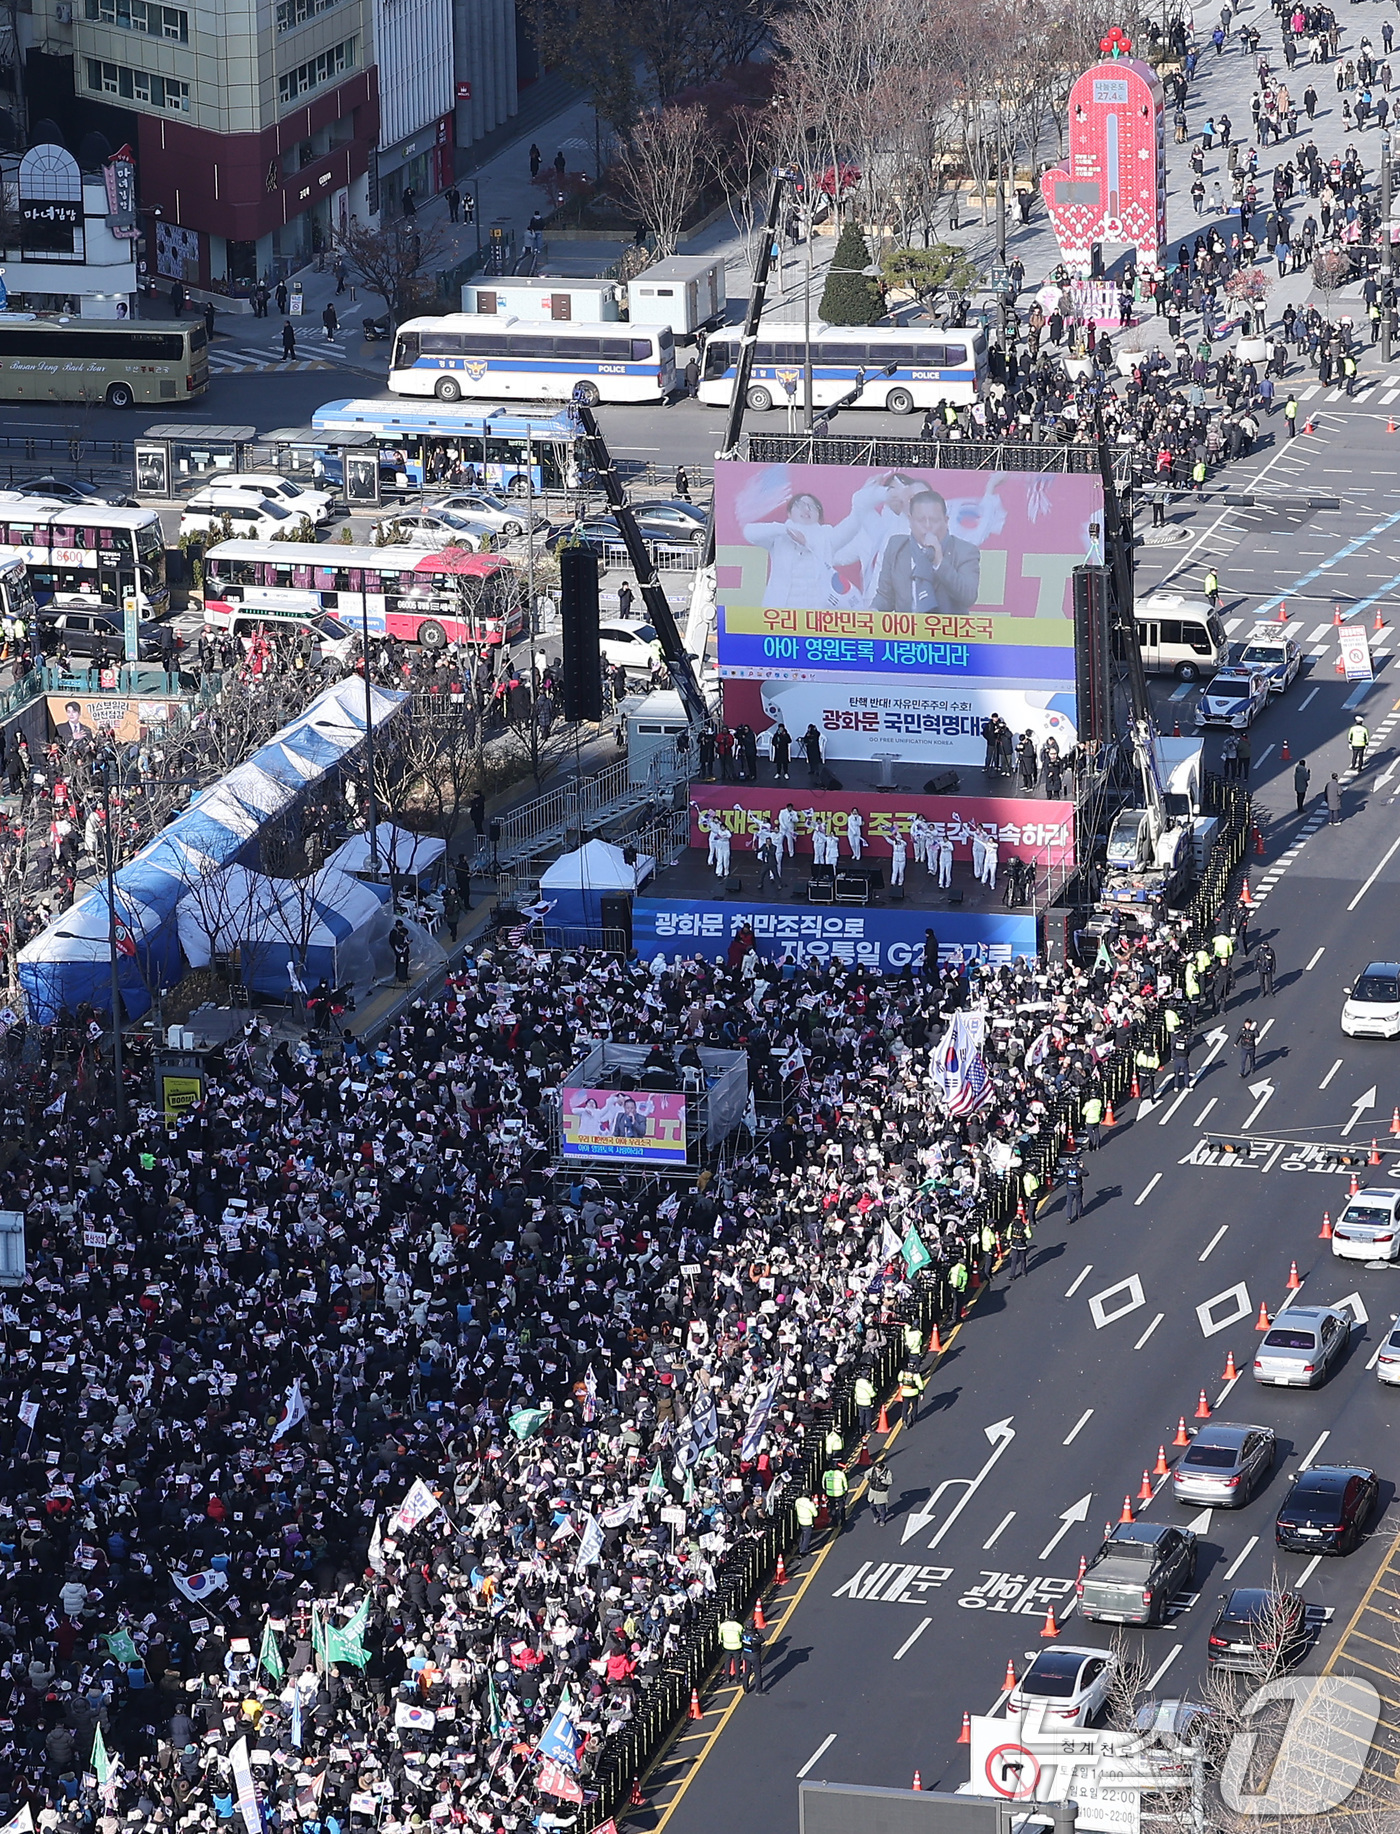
x: 1065, y: 1683
x: 435, y: 530
x: 1368, y: 1228
x: 1388, y: 1361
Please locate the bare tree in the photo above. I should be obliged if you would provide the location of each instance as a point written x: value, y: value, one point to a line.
x: 661, y: 174
x: 398, y: 260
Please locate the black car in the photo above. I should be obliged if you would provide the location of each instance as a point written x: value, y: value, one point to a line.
x: 96, y: 634
x: 76, y: 490
x: 1257, y: 1631
x: 660, y: 523
x: 1328, y: 1509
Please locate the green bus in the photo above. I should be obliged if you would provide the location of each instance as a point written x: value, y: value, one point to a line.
x: 92, y: 360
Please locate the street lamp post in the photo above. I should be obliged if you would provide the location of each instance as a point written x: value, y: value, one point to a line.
x: 807, y: 314
x: 110, y: 853
x: 1387, y: 265
x: 369, y: 737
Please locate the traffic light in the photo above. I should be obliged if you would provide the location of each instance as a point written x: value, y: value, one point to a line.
x: 578, y: 616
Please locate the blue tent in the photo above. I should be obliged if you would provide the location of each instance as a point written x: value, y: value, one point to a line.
x: 60, y: 967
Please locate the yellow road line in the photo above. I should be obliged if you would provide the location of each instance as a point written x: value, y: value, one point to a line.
x: 817, y: 1564
x: 1383, y: 1572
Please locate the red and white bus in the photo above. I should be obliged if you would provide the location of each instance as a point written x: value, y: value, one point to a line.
x: 432, y: 599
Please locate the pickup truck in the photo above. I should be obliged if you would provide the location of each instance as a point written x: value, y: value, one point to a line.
x: 1136, y: 1573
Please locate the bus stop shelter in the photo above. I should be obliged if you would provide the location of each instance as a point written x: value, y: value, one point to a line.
x: 347, y: 459
x: 174, y: 454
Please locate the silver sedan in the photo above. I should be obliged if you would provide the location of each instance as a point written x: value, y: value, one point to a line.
x: 1224, y: 1465
x: 1303, y: 1346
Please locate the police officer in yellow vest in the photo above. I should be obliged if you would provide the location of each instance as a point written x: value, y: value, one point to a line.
x: 1092, y: 1112
x: 806, y: 1510
x: 1358, y: 739
x: 863, y: 1394
x: 836, y: 1485
x: 731, y: 1642
x: 1148, y: 1064
x: 911, y: 1386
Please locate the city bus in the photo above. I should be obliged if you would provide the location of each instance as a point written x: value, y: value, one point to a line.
x: 456, y: 445
x: 432, y: 599
x: 86, y: 553
x: 467, y: 354
x: 930, y: 366
x: 117, y: 362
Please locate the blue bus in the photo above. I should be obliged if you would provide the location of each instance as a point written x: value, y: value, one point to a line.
x: 931, y: 365
x: 445, y: 445
x: 472, y: 355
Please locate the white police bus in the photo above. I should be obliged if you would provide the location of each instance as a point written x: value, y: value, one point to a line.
x: 931, y: 365
x: 464, y: 355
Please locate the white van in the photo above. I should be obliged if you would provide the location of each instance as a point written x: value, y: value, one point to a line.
x: 245, y: 516
x: 1179, y: 636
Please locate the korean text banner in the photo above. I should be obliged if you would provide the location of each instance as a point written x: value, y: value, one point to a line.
x: 872, y: 571
x: 883, y: 939
x: 641, y: 1126
x: 1039, y: 831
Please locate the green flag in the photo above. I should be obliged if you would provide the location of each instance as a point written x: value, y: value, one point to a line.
x: 526, y: 1421
x: 499, y: 1722
x: 344, y: 1643
x: 101, y: 1763
x: 688, y: 1490
x: 121, y: 1646
x: 269, y: 1655
x: 657, y: 1484
x: 914, y: 1252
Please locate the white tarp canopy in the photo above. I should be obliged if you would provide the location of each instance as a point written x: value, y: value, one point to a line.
x: 400, y: 851
x: 597, y: 866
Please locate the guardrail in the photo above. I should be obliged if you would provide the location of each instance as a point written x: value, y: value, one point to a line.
x: 583, y: 802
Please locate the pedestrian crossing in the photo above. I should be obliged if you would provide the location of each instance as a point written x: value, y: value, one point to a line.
x: 1365, y: 385
x: 312, y: 353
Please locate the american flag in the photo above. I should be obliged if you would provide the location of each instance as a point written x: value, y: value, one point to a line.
x: 958, y: 1066
x: 976, y: 1090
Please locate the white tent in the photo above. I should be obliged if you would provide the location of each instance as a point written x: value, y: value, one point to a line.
x: 327, y: 926
x: 597, y: 866
x: 400, y: 851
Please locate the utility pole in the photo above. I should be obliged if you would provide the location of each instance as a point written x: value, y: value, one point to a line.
x: 807, y: 310
x: 1001, y: 194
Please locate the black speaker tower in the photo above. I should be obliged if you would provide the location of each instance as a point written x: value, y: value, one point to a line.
x: 578, y: 615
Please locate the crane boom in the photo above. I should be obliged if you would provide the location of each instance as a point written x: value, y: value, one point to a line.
x: 658, y: 606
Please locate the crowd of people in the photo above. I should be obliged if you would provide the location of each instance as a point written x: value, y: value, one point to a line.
x: 338, y: 1423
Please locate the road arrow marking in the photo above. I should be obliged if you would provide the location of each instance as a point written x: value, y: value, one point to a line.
x: 1200, y: 1525
x: 1217, y: 1040
x: 1077, y: 1512
x: 1359, y: 1107
x: 1000, y: 1434
x: 1265, y: 1092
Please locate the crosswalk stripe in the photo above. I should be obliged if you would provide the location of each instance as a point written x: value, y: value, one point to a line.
x: 1319, y: 633
x: 1308, y: 393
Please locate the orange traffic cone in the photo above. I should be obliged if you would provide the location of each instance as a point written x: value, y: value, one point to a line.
x: 1285, y: 754
x: 1336, y: 614
x: 695, y: 1712
x: 882, y: 1425
x: 1083, y: 1567
x: 918, y: 1782
x: 1340, y: 666
x: 1109, y: 1119
x: 1379, y: 622
x: 863, y: 1456
x: 1293, y: 1281
x: 1127, y: 1514
x: 759, y: 1621
x: 1182, y: 1437
x: 935, y: 1342
x: 1145, y: 1489
x: 1375, y: 1157
x: 1176, y: 729
x: 1049, y: 1628
x: 1009, y: 1680
x: 1258, y: 838
x: 1263, y: 1321
x: 1324, y: 1234
x: 1161, y: 1468
x: 1281, y: 615
x: 1354, y: 1186
x: 1203, y: 1407
x: 1246, y: 895
x: 1390, y: 424
x: 780, y: 1576
x: 1395, y: 1122
x: 1231, y: 1373
x: 965, y: 1736
x: 1070, y: 1146
x: 1134, y: 1092
x: 1309, y: 427
x: 637, y: 1800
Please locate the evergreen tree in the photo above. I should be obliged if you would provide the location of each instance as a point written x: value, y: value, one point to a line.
x: 850, y: 296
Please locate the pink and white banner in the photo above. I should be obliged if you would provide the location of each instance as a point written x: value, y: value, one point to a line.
x: 1025, y: 827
